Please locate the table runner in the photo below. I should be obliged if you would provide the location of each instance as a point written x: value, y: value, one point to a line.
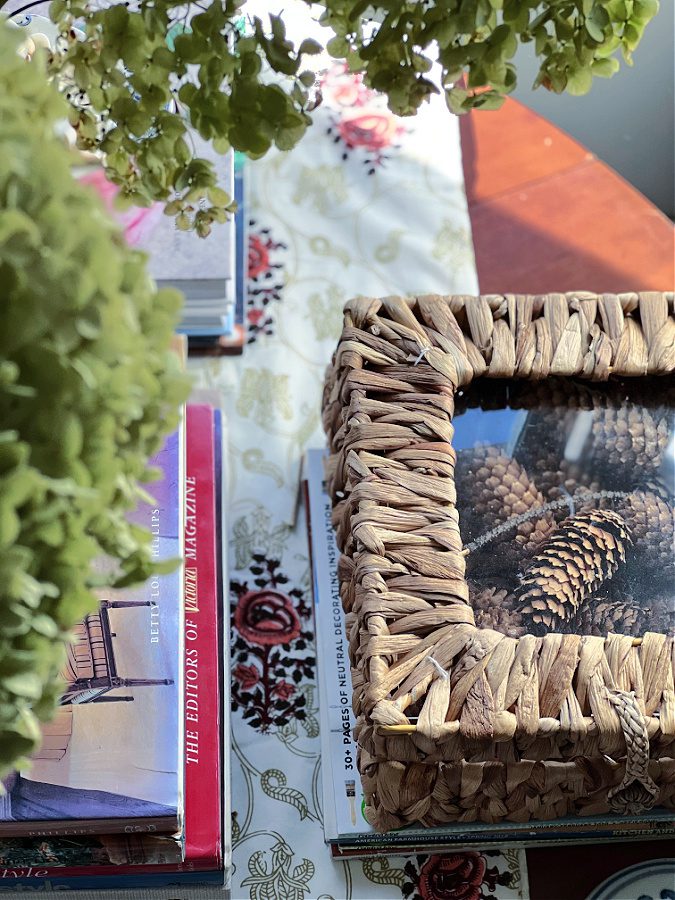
x: 367, y: 204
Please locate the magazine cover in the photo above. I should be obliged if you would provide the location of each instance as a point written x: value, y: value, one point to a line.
x: 203, y: 862
x: 111, y: 760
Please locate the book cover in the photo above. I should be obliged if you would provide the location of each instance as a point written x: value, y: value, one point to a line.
x: 232, y: 340
x: 203, y: 719
x: 55, y: 854
x: 111, y: 759
x: 203, y: 706
x: 158, y: 878
x: 200, y: 267
x: 345, y: 825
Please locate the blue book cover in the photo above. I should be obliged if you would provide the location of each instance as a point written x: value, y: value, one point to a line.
x: 111, y: 758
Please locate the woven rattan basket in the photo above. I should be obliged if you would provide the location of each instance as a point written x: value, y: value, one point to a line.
x: 502, y: 728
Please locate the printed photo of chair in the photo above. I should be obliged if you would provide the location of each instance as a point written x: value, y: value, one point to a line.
x: 91, y: 670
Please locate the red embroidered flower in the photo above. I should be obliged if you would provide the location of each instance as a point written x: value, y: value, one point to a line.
x: 258, y: 256
x: 283, y: 689
x: 266, y: 618
x: 457, y: 876
x: 247, y: 676
x: 345, y: 88
x: 369, y: 130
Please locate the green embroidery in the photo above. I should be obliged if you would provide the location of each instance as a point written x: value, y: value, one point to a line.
x: 512, y: 858
x: 389, y: 249
x: 323, y: 247
x: 279, y: 791
x: 325, y: 313
x: 256, y: 532
x: 254, y: 461
x: 323, y: 186
x: 452, y: 243
x: 279, y: 883
x: 264, y: 396
x: 380, y: 872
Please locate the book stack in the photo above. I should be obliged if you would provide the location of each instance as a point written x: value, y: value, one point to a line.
x: 130, y: 787
x: 209, y: 271
x: 346, y: 829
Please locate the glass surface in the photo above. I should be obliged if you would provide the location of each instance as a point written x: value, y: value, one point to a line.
x: 565, y: 492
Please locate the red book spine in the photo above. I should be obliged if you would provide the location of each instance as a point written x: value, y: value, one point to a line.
x: 203, y: 788
x: 202, y: 632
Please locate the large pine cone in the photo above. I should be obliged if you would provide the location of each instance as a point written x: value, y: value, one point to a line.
x: 492, y: 489
x: 585, y: 551
x: 628, y: 441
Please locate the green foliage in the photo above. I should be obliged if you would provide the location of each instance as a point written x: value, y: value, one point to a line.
x: 88, y: 389
x: 141, y: 73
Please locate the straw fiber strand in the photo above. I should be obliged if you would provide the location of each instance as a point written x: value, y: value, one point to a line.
x: 458, y: 722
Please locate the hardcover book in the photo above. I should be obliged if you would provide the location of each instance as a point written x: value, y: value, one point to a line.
x: 111, y: 759
x: 232, y: 339
x: 203, y: 710
x: 202, y: 268
x: 203, y: 707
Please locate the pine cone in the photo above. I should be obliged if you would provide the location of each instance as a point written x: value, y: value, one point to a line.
x: 585, y: 551
x: 651, y: 521
x: 602, y: 617
x: 628, y: 440
x: 661, y: 615
x: 494, y: 608
x: 554, y: 395
x: 552, y: 405
x: 558, y: 479
x: 506, y: 621
x: 493, y: 488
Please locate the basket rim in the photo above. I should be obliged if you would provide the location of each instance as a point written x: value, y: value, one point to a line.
x: 577, y: 334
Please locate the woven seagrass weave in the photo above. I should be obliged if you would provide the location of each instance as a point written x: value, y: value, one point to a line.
x: 454, y: 721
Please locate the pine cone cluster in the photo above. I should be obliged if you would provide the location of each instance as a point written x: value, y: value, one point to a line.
x: 576, y: 521
x: 609, y: 616
x: 560, y: 478
x: 585, y: 551
x: 494, y: 608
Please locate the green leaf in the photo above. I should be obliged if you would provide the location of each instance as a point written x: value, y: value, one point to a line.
x: 644, y: 10
x: 309, y: 47
x: 594, y: 31
x: 605, y: 68
x: 579, y: 82
x: 27, y: 684
x: 337, y: 47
